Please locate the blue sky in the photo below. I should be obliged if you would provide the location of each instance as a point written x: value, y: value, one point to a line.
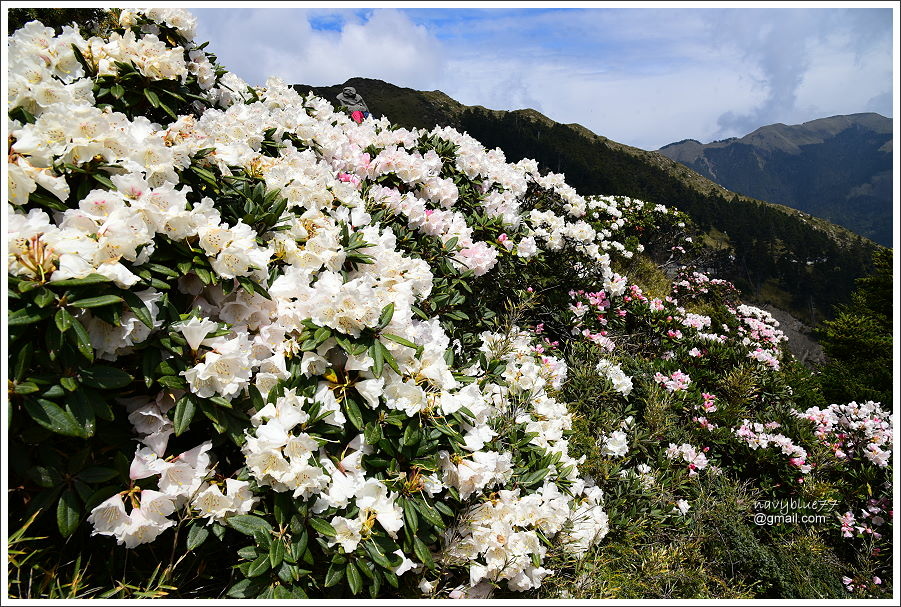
x: 643, y: 76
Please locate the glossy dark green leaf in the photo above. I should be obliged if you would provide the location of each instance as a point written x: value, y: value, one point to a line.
x: 51, y: 416
x: 378, y: 359
x: 259, y: 566
x: 276, y: 553
x: 423, y: 553
x: 82, y: 339
x: 23, y: 361
x: 152, y: 97
x: 197, y: 535
x: 43, y: 297
x: 183, y: 414
x: 353, y: 412
x: 334, y: 575
x: 82, y: 411
x: 105, y: 378
x: 322, y: 527
x: 400, y: 340
x: 68, y: 513
x: 248, y: 524
x: 96, y: 302
x: 138, y: 308
x: 354, y: 579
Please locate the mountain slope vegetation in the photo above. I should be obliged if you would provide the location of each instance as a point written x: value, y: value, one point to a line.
x: 776, y: 255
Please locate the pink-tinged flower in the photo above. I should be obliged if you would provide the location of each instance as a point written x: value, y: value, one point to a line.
x: 349, y: 178
x: 505, y: 241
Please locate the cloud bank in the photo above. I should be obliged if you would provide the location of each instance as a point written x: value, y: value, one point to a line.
x: 644, y: 77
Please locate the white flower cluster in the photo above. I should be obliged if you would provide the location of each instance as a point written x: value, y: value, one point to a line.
x: 854, y: 428
x: 241, y: 340
x: 500, y: 536
x: 643, y: 473
x: 622, y: 383
x: 182, y: 481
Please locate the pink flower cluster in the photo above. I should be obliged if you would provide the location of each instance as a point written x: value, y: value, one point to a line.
x: 854, y: 428
x: 676, y: 382
x: 695, y: 459
x: 755, y: 435
x: 871, y: 518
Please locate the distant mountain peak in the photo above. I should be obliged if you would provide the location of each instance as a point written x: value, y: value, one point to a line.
x: 838, y: 168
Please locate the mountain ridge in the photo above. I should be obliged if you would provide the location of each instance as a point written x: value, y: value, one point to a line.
x: 838, y: 168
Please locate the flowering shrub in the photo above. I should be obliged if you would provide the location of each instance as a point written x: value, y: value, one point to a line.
x: 307, y: 353
x: 261, y: 270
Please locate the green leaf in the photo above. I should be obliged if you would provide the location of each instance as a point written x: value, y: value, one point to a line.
x: 353, y: 412
x: 248, y: 524
x: 533, y: 478
x: 372, y: 433
x: 23, y: 361
x: 334, y: 575
x: 97, y: 474
x: 90, y: 279
x: 82, y: 339
x: 276, y: 552
x: 376, y: 554
x: 259, y: 566
x: 68, y: 511
x: 389, y: 358
x: 152, y: 97
x: 104, y: 180
x: 411, y: 520
x: 422, y: 553
x: 428, y: 513
x: 53, y: 417
x: 43, y: 297
x: 168, y: 110
x: 138, y: 308
x: 378, y: 360
x: 117, y: 91
x: 322, y: 527
x: 96, y: 302
x: 411, y: 435
x: 25, y: 316
x: 385, y: 318
x: 183, y: 414
x: 83, y: 413
x: 400, y: 340
x: 354, y: 579
x: 196, y: 536
x: 63, y: 320
x: 245, y: 589
x: 28, y: 387
x: 106, y: 378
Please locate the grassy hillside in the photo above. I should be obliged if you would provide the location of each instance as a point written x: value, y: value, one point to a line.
x: 776, y: 255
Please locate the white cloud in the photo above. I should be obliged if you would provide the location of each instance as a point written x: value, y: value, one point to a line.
x: 644, y: 77
x: 256, y: 44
